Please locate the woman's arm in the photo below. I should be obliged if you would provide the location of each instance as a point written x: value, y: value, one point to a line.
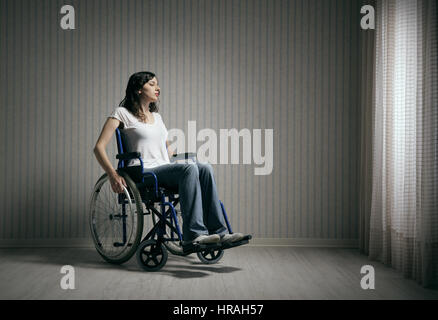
x: 169, y: 151
x: 117, y: 182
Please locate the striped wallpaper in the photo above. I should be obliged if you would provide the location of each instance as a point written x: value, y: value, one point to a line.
x: 290, y: 66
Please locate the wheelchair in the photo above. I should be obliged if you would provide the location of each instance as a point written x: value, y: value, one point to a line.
x: 117, y: 220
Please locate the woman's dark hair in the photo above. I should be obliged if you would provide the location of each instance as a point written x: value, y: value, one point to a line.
x: 132, y: 98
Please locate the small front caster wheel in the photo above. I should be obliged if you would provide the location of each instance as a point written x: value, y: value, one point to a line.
x: 210, y: 256
x: 151, y: 256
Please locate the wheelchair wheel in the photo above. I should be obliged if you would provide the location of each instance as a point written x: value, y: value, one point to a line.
x: 116, y: 220
x: 151, y: 255
x: 210, y: 256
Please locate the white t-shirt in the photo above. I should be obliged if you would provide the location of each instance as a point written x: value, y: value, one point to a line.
x: 148, y: 139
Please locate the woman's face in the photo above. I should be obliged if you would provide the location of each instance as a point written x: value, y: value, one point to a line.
x: 150, y: 90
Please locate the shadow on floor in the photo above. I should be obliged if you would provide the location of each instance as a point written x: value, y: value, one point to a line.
x: 176, y: 266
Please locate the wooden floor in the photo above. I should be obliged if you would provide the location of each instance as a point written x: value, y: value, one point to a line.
x: 247, y: 272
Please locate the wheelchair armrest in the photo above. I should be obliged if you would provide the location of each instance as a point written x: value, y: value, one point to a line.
x: 128, y: 156
x: 184, y: 156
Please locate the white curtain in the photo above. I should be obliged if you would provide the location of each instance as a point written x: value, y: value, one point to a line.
x: 403, y: 221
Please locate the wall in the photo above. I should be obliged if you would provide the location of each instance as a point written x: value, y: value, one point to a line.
x: 290, y: 66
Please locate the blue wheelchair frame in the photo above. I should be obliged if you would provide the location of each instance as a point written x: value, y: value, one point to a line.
x: 158, y: 194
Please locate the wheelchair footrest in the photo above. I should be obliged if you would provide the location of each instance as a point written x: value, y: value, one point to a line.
x: 245, y: 240
x: 198, y: 247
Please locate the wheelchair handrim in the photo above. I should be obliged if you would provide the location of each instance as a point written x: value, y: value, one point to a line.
x: 131, y: 207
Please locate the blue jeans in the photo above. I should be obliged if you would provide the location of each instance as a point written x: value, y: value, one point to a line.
x: 200, y: 207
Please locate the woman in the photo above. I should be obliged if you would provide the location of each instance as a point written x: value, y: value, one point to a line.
x: 145, y: 132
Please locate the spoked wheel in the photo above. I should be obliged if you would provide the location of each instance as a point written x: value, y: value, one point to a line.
x: 116, y: 220
x: 210, y: 256
x: 151, y: 256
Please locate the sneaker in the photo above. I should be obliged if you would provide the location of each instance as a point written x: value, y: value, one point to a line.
x: 232, y: 237
x: 204, y: 238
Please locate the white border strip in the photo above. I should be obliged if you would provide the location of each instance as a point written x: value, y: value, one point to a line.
x: 255, y: 242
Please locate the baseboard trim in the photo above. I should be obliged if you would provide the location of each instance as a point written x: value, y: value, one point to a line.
x: 305, y: 242
x: 47, y: 243
x: 255, y: 242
